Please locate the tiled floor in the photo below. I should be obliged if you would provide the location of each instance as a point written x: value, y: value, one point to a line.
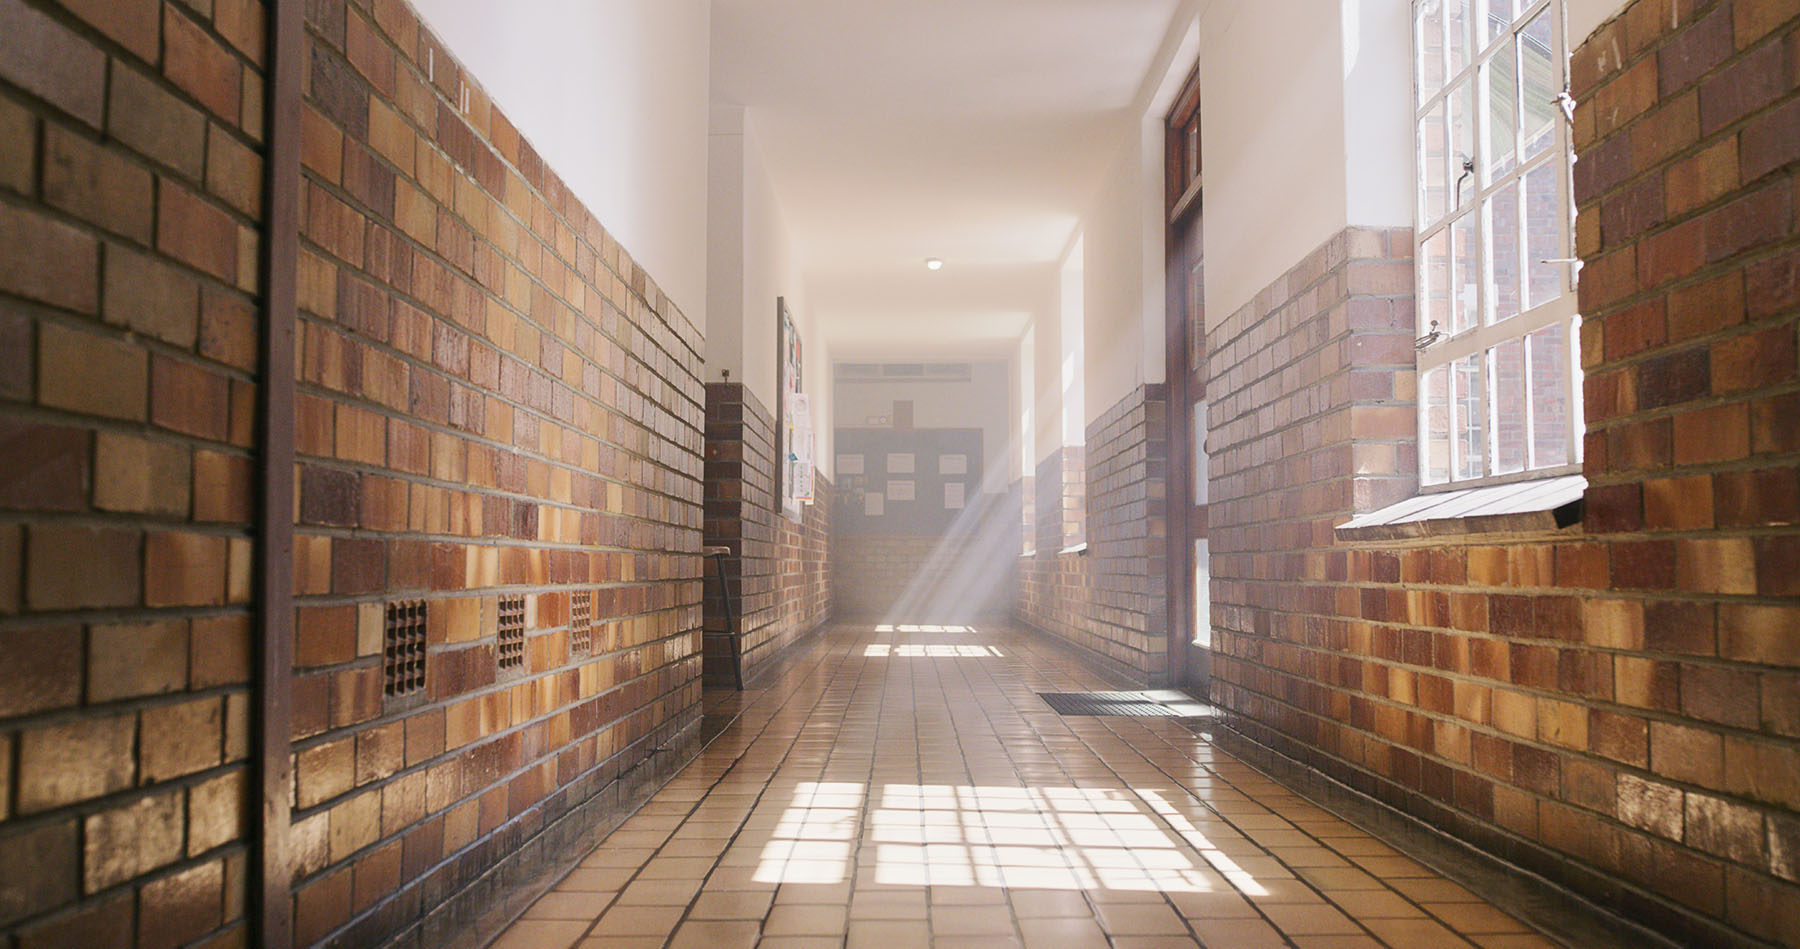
x: 907, y: 787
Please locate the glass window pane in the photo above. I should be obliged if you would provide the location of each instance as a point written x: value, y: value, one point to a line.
x: 1506, y: 381
x: 1465, y: 280
x: 1544, y: 224
x: 1437, y: 425
x: 1468, y: 416
x: 1548, y: 351
x: 1496, y: 17
x: 1432, y: 163
x: 1502, y: 126
x: 1460, y: 17
x: 1542, y: 76
x: 1462, y: 143
x: 1501, y: 217
x: 1434, y: 283
x: 1429, y: 37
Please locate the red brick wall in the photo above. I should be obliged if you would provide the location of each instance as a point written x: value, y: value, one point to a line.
x: 495, y: 402
x: 130, y: 190
x: 1109, y: 600
x: 962, y: 576
x: 780, y: 571
x: 1613, y: 704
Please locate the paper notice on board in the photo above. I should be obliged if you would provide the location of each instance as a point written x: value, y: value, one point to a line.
x: 953, y: 464
x: 873, y: 504
x: 850, y: 464
x: 953, y: 496
x: 900, y: 463
x: 900, y: 490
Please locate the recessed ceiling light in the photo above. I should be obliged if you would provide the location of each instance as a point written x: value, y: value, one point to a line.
x: 933, y: 263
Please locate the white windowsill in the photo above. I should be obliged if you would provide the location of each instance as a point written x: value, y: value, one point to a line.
x: 1542, y: 504
x: 1080, y: 548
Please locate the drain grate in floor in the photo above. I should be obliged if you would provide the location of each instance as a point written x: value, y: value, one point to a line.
x: 1158, y: 704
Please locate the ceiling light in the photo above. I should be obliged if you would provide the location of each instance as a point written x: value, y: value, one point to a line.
x: 933, y: 263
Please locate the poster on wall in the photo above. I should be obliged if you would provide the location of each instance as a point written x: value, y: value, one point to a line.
x: 953, y: 464
x: 790, y: 459
x: 874, y: 504
x: 900, y: 490
x: 953, y: 495
x: 849, y: 464
x: 900, y: 462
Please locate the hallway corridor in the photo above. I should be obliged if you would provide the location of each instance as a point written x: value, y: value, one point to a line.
x: 908, y: 788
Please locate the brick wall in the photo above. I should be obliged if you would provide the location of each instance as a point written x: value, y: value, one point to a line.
x: 1109, y: 600
x: 1613, y: 704
x: 780, y: 571
x: 130, y: 192
x: 499, y: 419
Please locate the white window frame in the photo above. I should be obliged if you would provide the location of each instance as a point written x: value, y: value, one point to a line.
x: 1483, y: 337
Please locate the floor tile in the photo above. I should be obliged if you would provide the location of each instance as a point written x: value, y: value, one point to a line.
x: 896, y: 801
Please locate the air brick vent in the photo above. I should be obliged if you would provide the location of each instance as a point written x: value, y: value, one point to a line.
x: 512, y: 633
x: 403, y: 648
x: 581, y: 622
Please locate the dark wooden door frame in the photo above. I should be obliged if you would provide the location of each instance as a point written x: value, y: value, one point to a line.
x: 271, y: 912
x: 1181, y: 233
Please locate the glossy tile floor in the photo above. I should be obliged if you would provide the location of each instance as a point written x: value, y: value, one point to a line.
x: 906, y: 786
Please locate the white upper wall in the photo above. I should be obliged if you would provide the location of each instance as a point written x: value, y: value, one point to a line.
x: 613, y: 95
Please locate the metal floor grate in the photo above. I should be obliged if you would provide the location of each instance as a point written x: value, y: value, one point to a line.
x: 1158, y: 704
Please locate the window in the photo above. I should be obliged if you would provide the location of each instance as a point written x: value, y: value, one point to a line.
x: 1074, y: 396
x: 1498, y: 369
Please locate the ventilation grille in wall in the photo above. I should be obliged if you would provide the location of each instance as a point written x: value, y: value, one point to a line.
x: 403, y: 649
x: 581, y: 622
x: 512, y: 632
x: 904, y: 372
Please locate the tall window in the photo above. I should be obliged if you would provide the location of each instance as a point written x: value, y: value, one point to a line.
x: 1498, y: 369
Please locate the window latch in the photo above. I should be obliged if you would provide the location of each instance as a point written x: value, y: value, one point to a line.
x: 1567, y: 102
x: 1425, y: 342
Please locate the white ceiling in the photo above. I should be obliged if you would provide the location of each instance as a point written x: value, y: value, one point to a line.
x: 896, y: 130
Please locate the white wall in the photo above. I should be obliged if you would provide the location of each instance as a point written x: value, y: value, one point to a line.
x: 613, y: 94
x: 751, y: 264
x: 1271, y: 141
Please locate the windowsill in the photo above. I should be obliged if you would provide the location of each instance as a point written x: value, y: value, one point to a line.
x: 1080, y: 548
x: 1540, y: 505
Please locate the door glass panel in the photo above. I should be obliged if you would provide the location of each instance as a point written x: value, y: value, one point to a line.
x: 1200, y: 461
x: 1202, y: 595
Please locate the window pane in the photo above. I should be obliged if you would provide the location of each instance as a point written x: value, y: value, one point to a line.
x: 1460, y: 16
x: 1465, y: 281
x: 1468, y: 417
x: 1462, y: 143
x: 1430, y: 40
x: 1544, y: 223
x: 1549, y: 355
x: 1506, y: 377
x: 1502, y: 221
x: 1437, y: 425
x: 1432, y: 162
x: 1502, y: 126
x: 1434, y: 283
x: 1543, y: 82
x: 1496, y: 17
